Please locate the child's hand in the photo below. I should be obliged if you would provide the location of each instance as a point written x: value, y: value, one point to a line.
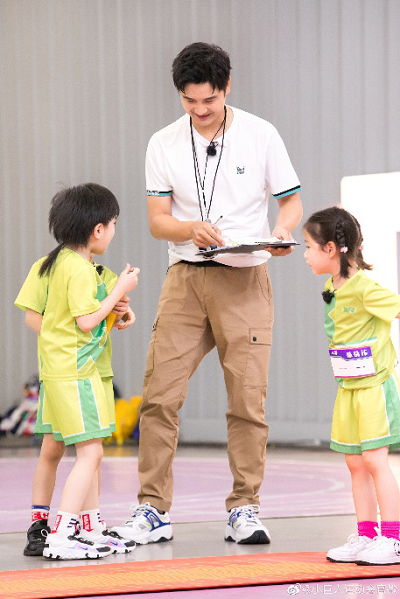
x: 127, y: 320
x: 128, y: 279
x: 122, y: 306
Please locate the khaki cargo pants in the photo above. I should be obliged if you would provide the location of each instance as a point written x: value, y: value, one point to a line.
x: 200, y: 307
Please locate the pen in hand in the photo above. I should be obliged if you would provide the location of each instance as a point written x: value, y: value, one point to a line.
x: 217, y: 221
x: 214, y: 247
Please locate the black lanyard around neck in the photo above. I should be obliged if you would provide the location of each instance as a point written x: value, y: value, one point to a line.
x: 197, y: 170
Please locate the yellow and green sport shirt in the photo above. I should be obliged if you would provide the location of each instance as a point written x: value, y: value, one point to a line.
x: 360, y: 315
x: 33, y: 296
x: 74, y: 288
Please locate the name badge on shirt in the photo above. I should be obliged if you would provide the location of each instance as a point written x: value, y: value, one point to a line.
x: 353, y: 362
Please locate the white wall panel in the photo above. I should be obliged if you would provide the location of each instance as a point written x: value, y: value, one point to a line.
x: 84, y: 84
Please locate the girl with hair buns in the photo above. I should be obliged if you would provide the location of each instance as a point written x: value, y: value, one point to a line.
x: 366, y: 416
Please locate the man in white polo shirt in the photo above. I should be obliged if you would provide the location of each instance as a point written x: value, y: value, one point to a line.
x: 209, y: 177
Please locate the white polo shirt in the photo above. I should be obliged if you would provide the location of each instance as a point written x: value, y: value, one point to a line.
x: 253, y: 166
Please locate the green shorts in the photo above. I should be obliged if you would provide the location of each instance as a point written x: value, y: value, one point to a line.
x: 367, y: 418
x: 109, y: 391
x: 76, y: 411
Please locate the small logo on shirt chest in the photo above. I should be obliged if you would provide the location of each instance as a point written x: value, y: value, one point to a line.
x: 240, y: 170
x: 349, y: 309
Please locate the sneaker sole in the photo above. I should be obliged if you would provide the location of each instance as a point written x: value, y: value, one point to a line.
x: 33, y: 552
x: 161, y: 540
x: 125, y: 533
x: 257, y: 538
x: 342, y: 561
x: 365, y: 563
x: 72, y: 555
x: 121, y: 550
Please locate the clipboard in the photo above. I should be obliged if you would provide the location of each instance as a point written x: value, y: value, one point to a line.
x: 246, y: 248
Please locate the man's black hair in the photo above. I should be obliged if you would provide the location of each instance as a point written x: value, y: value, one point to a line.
x: 201, y: 63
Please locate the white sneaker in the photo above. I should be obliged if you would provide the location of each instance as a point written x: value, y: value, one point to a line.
x: 108, y: 538
x: 146, y: 525
x: 72, y: 547
x: 348, y: 552
x: 383, y: 551
x: 244, y: 527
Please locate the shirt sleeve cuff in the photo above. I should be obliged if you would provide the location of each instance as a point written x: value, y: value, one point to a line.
x: 288, y: 192
x: 160, y: 194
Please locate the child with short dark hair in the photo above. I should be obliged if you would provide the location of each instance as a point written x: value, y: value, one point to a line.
x: 73, y: 335
x: 366, y: 417
x: 32, y: 298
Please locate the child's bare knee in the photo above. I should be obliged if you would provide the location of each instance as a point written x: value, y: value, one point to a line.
x: 354, y: 462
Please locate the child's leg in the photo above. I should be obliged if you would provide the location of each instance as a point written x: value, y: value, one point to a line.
x: 93, y: 528
x: 387, y: 489
x: 82, y: 483
x: 385, y: 549
x: 82, y: 479
x: 365, y: 503
x: 44, y: 478
x: 89, y: 516
x: 363, y: 488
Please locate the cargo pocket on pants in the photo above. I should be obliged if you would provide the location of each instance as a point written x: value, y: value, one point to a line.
x: 150, y: 352
x: 256, y: 374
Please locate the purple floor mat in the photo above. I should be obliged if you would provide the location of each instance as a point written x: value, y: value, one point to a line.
x: 290, y: 488
x: 372, y: 587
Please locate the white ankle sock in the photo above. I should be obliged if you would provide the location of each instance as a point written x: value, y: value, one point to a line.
x: 90, y: 520
x: 65, y: 524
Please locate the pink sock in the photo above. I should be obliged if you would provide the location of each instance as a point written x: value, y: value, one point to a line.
x: 390, y: 529
x: 366, y: 528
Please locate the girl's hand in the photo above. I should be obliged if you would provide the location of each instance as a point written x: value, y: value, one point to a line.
x: 128, y: 279
x: 127, y: 320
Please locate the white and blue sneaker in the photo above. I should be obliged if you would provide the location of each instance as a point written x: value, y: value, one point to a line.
x: 245, y: 528
x: 146, y: 525
x: 72, y: 547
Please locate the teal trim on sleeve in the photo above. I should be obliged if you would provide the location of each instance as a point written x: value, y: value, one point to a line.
x: 159, y: 194
x: 278, y: 196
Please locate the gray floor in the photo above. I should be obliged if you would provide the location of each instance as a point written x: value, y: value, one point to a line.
x: 206, y: 538
x: 203, y: 539
x: 194, y: 539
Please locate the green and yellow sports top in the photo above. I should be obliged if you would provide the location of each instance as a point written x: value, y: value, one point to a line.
x: 360, y: 315
x: 74, y: 288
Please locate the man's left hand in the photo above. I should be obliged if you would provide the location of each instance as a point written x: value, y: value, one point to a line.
x: 285, y: 235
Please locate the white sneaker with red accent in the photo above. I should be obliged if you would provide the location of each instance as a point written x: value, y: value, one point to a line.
x: 108, y: 538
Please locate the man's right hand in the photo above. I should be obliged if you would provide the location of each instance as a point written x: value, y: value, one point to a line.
x: 205, y: 234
